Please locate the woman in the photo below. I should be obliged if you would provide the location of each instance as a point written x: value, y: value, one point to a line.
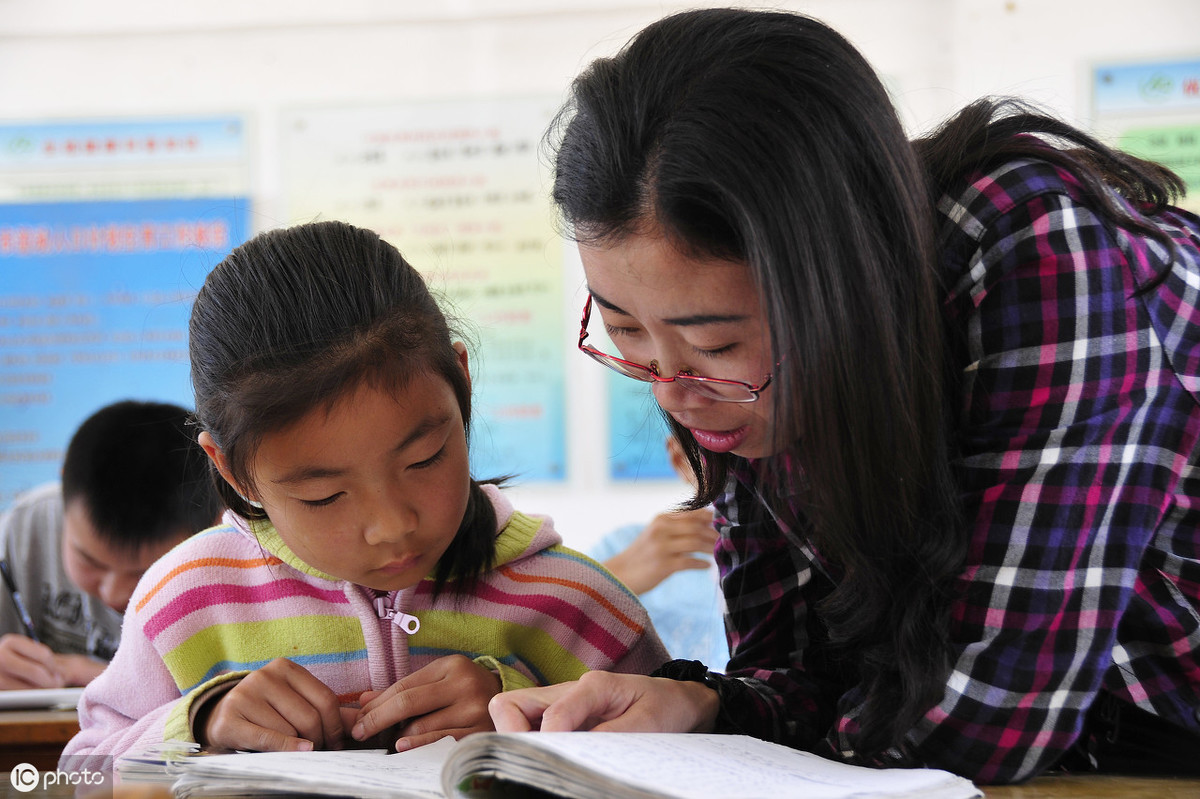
x: 943, y: 393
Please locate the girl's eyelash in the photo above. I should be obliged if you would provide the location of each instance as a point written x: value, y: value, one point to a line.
x: 430, y: 461
x: 425, y: 464
x: 320, y: 503
x: 619, y: 331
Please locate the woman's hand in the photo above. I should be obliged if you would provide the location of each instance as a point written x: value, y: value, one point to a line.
x: 447, y: 697
x: 603, y: 701
x: 281, y: 707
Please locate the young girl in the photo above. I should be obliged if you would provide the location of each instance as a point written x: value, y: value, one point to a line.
x: 946, y: 395
x: 362, y: 582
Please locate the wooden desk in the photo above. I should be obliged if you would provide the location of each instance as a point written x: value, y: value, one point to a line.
x: 36, y: 737
x: 1097, y: 786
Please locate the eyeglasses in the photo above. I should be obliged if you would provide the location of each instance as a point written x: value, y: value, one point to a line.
x: 710, y: 387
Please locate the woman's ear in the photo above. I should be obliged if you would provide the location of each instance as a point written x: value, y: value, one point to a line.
x: 461, y: 349
x: 217, y: 456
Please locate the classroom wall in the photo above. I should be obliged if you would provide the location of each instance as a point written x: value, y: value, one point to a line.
x: 68, y: 59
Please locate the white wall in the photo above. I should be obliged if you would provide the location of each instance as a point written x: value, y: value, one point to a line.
x: 63, y: 59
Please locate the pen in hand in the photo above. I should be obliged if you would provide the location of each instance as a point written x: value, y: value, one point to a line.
x: 18, y: 603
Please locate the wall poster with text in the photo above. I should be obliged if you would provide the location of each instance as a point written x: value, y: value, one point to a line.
x: 637, y: 432
x: 107, y: 230
x: 457, y: 186
x: 1152, y: 110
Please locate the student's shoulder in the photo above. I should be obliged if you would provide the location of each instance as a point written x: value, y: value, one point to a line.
x: 41, y: 500
x: 986, y: 196
x: 530, y: 551
x: 615, y: 541
x: 559, y: 568
x: 226, y: 547
x: 34, y: 514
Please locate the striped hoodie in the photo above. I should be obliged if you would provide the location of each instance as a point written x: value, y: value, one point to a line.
x: 234, y: 597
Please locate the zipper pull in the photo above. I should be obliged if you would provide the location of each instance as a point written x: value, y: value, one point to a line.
x: 405, y: 621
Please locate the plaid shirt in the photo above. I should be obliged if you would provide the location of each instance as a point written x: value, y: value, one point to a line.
x: 1080, y: 480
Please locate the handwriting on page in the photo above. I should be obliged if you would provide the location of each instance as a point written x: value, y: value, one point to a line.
x: 719, y: 765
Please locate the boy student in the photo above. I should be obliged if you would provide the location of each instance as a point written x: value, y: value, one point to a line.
x: 134, y: 484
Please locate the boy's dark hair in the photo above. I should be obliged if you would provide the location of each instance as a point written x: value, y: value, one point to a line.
x: 296, y: 317
x: 140, y: 474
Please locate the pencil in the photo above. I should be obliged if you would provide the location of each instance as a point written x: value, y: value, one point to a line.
x: 18, y: 603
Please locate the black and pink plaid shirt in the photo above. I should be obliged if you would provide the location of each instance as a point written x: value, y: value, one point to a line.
x: 1080, y: 479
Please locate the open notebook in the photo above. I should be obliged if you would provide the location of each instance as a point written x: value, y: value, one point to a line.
x: 585, y: 765
x: 65, y: 698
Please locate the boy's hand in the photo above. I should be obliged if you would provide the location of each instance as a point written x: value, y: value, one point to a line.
x: 78, y: 669
x: 26, y: 663
x: 447, y: 697
x: 281, y: 707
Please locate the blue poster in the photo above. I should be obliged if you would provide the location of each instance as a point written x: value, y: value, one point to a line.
x: 94, y: 303
x: 1158, y: 86
x: 637, y: 432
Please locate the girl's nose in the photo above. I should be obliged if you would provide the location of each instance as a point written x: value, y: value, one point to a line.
x: 392, y: 520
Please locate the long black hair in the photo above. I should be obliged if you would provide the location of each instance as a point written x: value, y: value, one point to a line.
x: 991, y: 131
x: 295, y: 318
x: 766, y: 138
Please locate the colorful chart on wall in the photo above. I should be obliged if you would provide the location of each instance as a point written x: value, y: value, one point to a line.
x: 637, y: 432
x: 1152, y: 110
x: 458, y: 187
x: 107, y: 230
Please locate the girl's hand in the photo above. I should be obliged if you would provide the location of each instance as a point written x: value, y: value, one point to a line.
x: 281, y: 707
x: 447, y: 697
x: 603, y: 701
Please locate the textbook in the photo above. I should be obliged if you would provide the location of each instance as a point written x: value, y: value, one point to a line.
x: 581, y: 765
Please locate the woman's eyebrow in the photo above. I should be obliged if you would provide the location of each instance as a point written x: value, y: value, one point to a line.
x: 691, y: 320
x: 603, y: 303
x: 705, y: 319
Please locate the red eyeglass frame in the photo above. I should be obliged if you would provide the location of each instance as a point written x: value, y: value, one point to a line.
x: 693, y: 382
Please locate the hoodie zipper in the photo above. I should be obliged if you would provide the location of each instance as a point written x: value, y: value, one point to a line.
x: 405, y: 621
